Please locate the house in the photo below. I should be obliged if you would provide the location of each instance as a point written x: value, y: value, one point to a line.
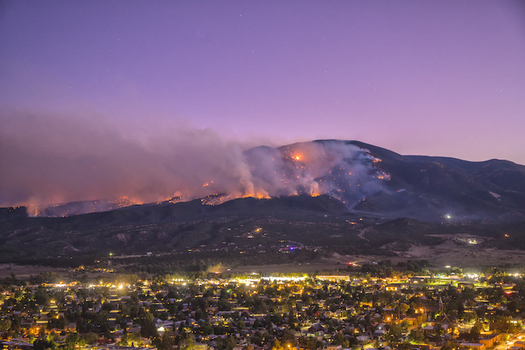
x: 490, y: 339
x: 334, y: 347
x: 473, y: 346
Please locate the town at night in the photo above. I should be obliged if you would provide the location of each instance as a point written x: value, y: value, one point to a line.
x: 262, y: 175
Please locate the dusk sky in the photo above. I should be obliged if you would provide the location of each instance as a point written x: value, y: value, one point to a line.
x: 435, y: 78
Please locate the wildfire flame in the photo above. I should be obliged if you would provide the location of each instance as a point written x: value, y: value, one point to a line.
x: 258, y: 195
x: 342, y: 171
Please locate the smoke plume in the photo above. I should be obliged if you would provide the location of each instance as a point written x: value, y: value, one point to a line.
x: 49, y: 160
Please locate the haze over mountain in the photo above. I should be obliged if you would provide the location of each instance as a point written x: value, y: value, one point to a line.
x: 363, y: 178
x: 326, y: 196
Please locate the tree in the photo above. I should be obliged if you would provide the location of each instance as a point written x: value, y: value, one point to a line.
x: 148, y: 329
x: 230, y: 342
x: 438, y: 329
x: 166, y: 342
x: 469, y: 317
x: 393, y: 334
x: 257, y: 338
x: 449, y: 346
x: 474, y: 332
x: 200, y: 315
x: 43, y: 344
x: 402, y: 308
x: 123, y: 340
x: 188, y: 343
x: 88, y: 338
x: 339, y: 339
x: 5, y: 324
x: 72, y: 340
x: 277, y: 345
x: 416, y: 336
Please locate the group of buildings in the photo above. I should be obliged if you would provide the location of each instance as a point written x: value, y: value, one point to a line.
x: 253, y: 312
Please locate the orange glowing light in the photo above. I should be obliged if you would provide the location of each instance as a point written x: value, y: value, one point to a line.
x: 258, y: 195
x: 297, y: 157
x: 125, y: 201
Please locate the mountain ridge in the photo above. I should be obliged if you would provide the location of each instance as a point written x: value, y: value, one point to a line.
x: 422, y: 187
x: 373, y: 201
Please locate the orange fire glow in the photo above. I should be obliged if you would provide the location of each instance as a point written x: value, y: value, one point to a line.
x: 297, y: 157
x: 125, y: 201
x: 258, y: 195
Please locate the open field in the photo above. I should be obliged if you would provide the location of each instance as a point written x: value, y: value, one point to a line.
x: 448, y: 253
x: 452, y: 254
x: 309, y: 268
x: 24, y: 272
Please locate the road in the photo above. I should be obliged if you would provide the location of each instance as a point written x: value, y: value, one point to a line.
x: 510, y: 342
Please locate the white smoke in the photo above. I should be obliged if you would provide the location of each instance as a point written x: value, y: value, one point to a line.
x: 337, y: 168
x: 48, y: 160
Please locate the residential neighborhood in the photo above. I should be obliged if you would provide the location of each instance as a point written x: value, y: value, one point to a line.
x: 251, y: 312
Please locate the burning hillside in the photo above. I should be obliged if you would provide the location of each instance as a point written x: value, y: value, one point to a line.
x: 341, y: 170
x: 49, y: 161
x: 88, y: 166
x: 96, y: 163
x: 336, y: 168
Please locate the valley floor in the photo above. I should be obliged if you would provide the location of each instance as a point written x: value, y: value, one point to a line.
x: 446, y: 254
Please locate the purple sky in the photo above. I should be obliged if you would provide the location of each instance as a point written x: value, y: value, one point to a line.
x: 436, y: 78
x: 418, y: 77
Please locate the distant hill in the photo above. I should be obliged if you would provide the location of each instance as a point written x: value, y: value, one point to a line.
x: 430, y: 188
x: 321, y: 194
x: 370, y: 180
